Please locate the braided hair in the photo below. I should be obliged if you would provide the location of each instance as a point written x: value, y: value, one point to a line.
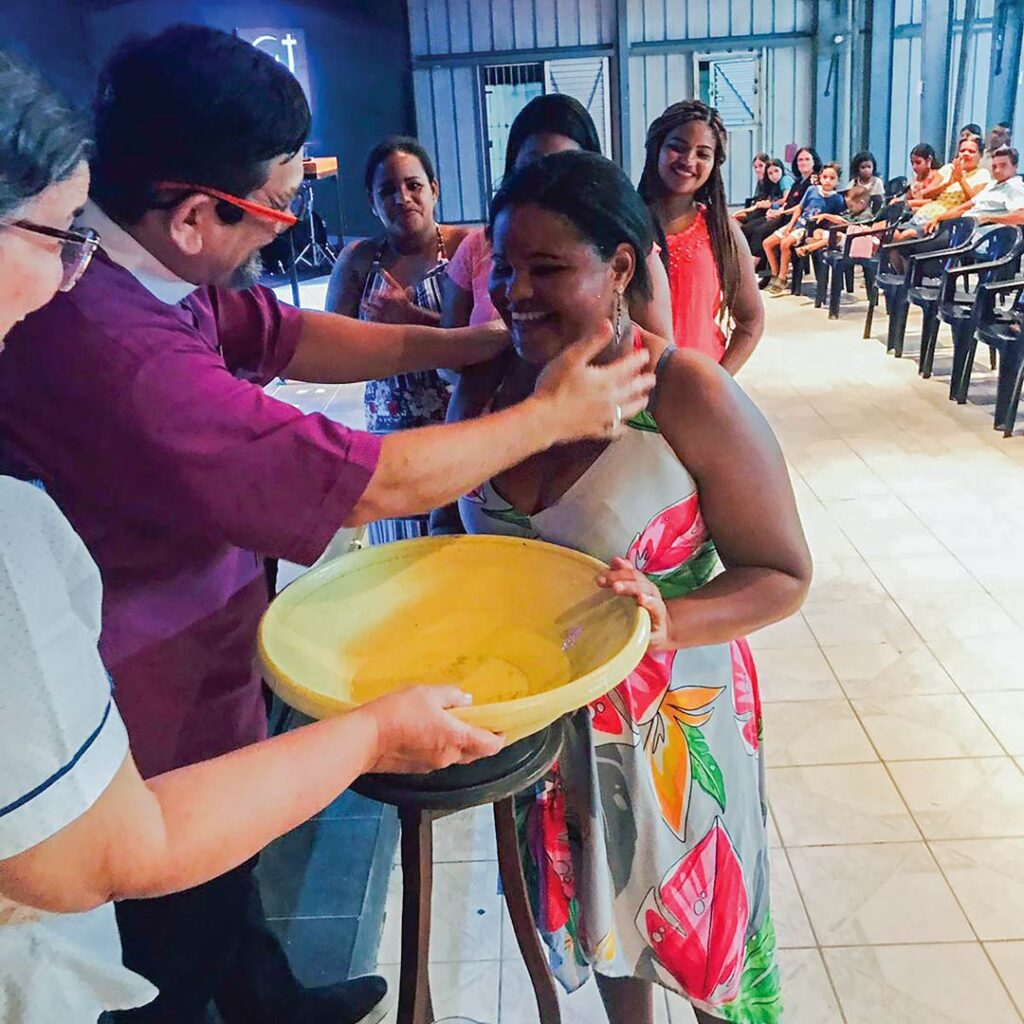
x: 711, y: 195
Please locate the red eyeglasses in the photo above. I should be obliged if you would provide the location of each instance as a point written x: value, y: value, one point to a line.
x: 288, y: 217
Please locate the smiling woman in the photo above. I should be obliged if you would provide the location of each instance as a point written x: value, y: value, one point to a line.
x: 716, y: 307
x: 658, y: 794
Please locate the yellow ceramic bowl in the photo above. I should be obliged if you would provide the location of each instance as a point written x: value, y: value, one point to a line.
x: 519, y: 624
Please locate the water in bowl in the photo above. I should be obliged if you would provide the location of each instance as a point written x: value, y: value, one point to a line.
x: 489, y: 657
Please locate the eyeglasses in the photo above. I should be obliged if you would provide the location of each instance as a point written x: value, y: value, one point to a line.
x: 289, y: 217
x: 76, y: 248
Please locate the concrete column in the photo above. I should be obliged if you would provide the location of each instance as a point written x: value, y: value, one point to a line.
x: 879, y: 94
x: 936, y: 49
x: 1006, y: 52
x: 832, y: 46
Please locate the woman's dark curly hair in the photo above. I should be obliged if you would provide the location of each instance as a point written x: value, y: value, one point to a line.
x: 711, y: 194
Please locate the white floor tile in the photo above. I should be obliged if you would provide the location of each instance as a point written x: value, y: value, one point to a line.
x: 792, y: 928
x: 937, y: 725
x: 963, y: 799
x: 976, y: 615
x: 791, y: 632
x: 1004, y: 715
x: 838, y: 623
x: 987, y: 876
x: 842, y: 579
x: 922, y: 574
x: 883, y: 893
x: 466, y: 991
x: 980, y: 665
x: 937, y: 984
x: 795, y: 673
x: 807, y: 995
x: 814, y: 732
x: 467, y: 835
x: 518, y: 1005
x: 867, y: 671
x: 838, y: 804
x: 466, y: 915
x: 1009, y: 960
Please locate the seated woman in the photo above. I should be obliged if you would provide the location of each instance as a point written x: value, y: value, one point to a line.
x: 958, y: 181
x: 553, y: 123
x: 768, y: 191
x: 646, y: 849
x: 805, y: 169
x: 396, y: 277
x: 711, y: 273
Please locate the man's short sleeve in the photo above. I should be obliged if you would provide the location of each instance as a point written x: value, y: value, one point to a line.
x: 258, y: 333
x: 61, y: 738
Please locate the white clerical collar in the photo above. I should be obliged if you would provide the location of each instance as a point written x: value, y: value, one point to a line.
x: 124, y: 250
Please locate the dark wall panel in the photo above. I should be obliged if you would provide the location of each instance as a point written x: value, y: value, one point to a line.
x: 358, y: 55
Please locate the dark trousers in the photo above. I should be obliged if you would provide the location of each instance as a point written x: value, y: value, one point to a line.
x: 210, y: 943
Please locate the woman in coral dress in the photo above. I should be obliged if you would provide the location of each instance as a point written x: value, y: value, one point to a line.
x: 645, y: 849
x: 710, y: 269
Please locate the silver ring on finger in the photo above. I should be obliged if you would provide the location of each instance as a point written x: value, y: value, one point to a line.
x: 617, y: 421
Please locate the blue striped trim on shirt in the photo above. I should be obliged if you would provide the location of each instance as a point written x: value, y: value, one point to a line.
x: 60, y: 772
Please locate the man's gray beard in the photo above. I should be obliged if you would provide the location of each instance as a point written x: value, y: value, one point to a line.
x: 248, y: 273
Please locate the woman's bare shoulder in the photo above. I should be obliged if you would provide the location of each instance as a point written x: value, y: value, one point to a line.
x: 455, y: 234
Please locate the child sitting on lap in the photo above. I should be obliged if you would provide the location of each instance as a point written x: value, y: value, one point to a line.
x: 858, y: 212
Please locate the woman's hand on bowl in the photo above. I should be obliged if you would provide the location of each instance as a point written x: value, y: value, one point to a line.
x: 416, y: 732
x: 624, y: 579
x: 591, y: 400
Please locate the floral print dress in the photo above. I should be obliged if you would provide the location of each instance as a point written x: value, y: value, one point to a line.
x: 645, y: 850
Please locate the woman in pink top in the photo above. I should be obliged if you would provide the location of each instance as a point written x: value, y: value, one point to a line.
x: 716, y: 305
x: 547, y: 124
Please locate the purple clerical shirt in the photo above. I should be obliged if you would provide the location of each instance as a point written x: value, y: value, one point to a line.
x: 148, y: 425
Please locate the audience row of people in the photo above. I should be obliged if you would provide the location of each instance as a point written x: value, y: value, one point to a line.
x: 981, y: 181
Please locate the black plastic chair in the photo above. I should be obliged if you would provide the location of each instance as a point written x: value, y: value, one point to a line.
x: 1000, y: 329
x: 927, y: 273
x: 839, y: 265
x: 896, y: 187
x: 895, y: 284
x: 960, y: 307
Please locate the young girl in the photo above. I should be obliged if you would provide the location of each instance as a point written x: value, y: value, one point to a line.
x: 778, y: 247
x: 711, y: 273
x: 863, y: 172
x: 925, y: 165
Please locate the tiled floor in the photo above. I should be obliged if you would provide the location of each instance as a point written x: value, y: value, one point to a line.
x: 894, y: 714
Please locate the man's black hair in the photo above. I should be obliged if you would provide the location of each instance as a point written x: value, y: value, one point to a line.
x: 194, y: 105
x: 1008, y: 151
